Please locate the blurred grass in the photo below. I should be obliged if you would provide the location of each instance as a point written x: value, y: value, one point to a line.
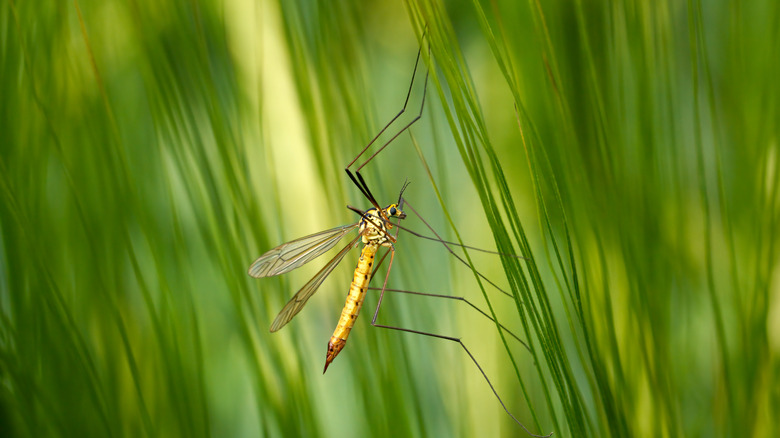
x: 150, y: 151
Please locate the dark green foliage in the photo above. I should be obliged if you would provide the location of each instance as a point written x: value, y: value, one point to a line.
x: 149, y: 151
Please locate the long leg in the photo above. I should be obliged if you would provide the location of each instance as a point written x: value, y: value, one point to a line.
x: 436, y: 239
x: 448, y: 338
x: 401, y: 131
x: 461, y: 299
x: 407, y: 126
x: 403, y: 109
x: 449, y: 297
x: 447, y: 245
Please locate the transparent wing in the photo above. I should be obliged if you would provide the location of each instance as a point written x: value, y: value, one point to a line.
x: 293, y: 254
x: 297, y: 302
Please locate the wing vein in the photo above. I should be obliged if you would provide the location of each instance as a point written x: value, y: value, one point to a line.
x: 298, y: 300
x: 295, y: 253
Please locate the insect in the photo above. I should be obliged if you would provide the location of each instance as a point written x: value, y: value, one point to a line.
x: 373, y: 228
x: 374, y: 231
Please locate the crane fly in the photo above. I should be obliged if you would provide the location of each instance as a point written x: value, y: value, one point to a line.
x: 374, y: 227
x: 373, y: 230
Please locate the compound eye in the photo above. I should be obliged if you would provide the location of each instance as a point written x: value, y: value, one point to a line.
x: 393, y: 211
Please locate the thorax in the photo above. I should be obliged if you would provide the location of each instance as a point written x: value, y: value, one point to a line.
x: 374, y: 229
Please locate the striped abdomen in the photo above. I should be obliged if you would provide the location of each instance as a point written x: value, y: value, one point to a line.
x: 357, y: 292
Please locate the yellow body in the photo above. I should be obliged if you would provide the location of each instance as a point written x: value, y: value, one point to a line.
x: 357, y: 292
x: 373, y: 228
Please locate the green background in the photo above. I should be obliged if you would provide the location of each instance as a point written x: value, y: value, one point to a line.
x: 150, y: 151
